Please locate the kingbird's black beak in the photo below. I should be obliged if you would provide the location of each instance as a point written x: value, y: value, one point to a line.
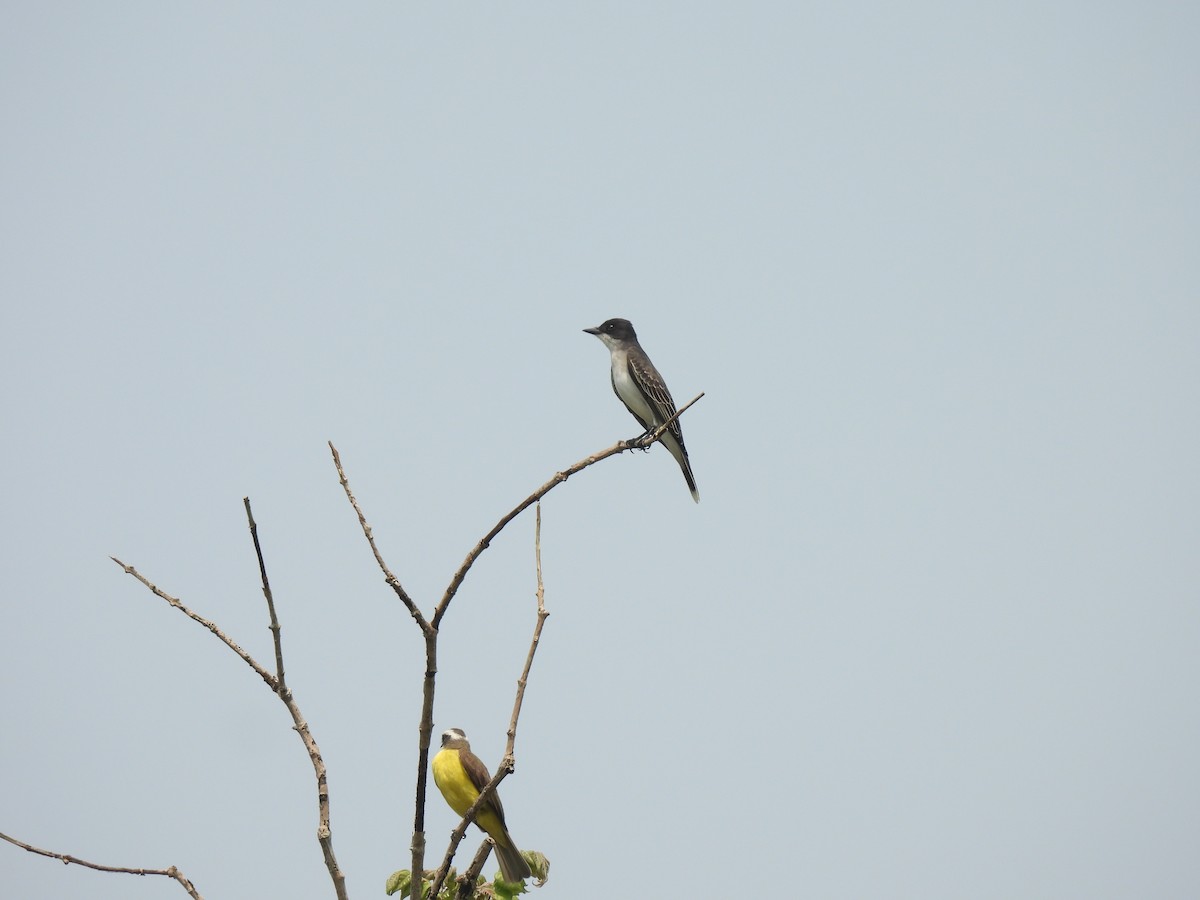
x: 591, y: 330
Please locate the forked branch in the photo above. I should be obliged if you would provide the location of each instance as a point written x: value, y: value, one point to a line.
x: 67, y: 859
x: 508, y: 763
x: 430, y: 630
x: 279, y: 688
x: 559, y: 478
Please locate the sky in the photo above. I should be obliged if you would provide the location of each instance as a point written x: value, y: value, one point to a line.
x: 931, y: 631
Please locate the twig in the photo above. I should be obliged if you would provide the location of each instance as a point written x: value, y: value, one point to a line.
x: 648, y: 439
x: 279, y: 688
x: 266, y: 676
x: 429, y: 629
x: 425, y: 729
x: 392, y: 580
x: 324, y: 829
x: 559, y: 478
x: 274, y: 626
x: 542, y: 614
x: 468, y: 879
x: 456, y: 836
x: 67, y: 859
x: 508, y: 763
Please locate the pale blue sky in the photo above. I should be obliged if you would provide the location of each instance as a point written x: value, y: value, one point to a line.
x: 930, y: 633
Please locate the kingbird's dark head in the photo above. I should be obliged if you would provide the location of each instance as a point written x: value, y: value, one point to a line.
x: 614, y: 331
x: 455, y: 739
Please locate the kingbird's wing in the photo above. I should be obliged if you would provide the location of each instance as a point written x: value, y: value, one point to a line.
x: 654, y: 389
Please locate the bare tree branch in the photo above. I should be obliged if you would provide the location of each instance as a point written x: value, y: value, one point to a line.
x: 429, y: 629
x: 542, y: 614
x: 324, y: 829
x: 392, y: 580
x: 639, y: 443
x: 508, y: 763
x: 650, y: 437
x: 424, y: 737
x: 468, y: 879
x: 266, y: 676
x: 425, y: 729
x: 456, y: 836
x: 274, y: 626
x: 67, y: 859
x: 280, y: 689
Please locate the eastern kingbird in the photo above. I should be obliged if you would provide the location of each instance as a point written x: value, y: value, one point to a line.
x: 639, y: 386
x: 460, y: 775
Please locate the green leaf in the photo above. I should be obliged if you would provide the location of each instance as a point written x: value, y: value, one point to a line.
x: 538, y: 864
x: 400, y: 881
x: 507, y: 890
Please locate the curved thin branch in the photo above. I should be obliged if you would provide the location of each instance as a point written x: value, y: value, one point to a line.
x: 508, y: 763
x: 505, y: 768
x: 425, y: 729
x: 429, y: 629
x: 274, y: 626
x: 280, y: 689
x: 392, y: 580
x: 559, y: 477
x: 67, y: 859
x: 324, y: 829
x: 271, y: 680
x: 542, y: 615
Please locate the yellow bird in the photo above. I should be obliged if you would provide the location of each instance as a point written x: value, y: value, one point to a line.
x: 460, y: 775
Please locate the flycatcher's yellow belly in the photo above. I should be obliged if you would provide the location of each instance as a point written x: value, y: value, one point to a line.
x: 452, y: 780
x: 460, y: 792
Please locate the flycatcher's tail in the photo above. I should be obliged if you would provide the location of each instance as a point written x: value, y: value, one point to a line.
x: 512, y: 864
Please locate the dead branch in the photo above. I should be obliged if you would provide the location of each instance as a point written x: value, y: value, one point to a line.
x: 559, y: 477
x: 508, y: 763
x: 279, y: 688
x: 430, y: 630
x: 67, y: 859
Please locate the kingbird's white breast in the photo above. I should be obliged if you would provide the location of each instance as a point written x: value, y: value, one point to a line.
x: 629, y: 392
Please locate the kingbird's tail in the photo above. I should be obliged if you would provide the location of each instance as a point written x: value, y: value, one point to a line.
x: 691, y: 479
x: 675, y: 445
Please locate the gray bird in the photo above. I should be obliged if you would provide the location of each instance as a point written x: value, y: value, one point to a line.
x: 639, y: 386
